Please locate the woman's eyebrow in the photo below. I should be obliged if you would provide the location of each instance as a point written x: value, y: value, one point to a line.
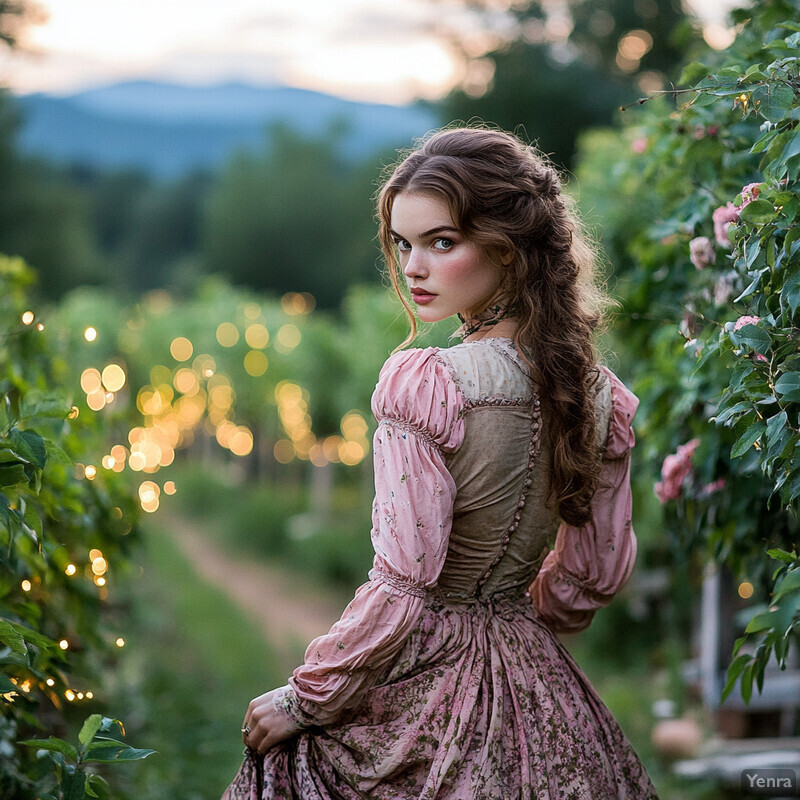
x: 431, y: 232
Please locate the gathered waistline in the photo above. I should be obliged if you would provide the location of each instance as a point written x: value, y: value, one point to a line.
x: 501, y: 602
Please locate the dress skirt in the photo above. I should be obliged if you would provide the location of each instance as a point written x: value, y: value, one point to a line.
x: 483, y: 701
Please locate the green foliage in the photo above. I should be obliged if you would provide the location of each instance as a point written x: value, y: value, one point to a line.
x: 701, y: 222
x: 54, y: 635
x: 74, y: 781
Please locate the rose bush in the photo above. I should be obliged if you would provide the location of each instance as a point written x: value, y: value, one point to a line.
x: 709, y: 336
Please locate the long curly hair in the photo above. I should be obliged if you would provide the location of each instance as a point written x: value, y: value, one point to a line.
x: 506, y: 197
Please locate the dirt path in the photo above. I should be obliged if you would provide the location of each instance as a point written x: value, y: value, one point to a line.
x: 290, y: 610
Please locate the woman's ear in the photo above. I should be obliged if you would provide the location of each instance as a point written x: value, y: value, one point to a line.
x: 507, y: 257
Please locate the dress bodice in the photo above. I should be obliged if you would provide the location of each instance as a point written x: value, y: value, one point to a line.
x: 503, y: 526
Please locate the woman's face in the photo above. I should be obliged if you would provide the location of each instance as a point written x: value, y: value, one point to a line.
x: 446, y: 273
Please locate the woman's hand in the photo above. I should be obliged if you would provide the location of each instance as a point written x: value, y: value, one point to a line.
x: 266, y: 724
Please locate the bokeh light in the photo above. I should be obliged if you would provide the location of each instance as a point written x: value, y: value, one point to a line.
x: 227, y: 334
x: 181, y: 349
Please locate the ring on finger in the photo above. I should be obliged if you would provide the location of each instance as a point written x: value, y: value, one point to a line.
x: 246, y: 729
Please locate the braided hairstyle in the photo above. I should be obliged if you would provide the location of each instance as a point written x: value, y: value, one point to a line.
x: 506, y: 198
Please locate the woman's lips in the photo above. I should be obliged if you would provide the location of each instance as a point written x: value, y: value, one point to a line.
x: 421, y: 298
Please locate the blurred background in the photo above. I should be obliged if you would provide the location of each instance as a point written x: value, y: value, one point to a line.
x: 186, y: 212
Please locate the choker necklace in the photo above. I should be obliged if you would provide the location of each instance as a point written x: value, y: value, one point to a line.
x: 486, y: 319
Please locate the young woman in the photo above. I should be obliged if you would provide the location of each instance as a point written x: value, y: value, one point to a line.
x: 502, y: 516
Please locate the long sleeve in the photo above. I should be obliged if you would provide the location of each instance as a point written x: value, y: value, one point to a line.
x: 588, y: 565
x: 418, y: 408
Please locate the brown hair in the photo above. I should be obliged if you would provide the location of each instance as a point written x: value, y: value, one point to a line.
x: 506, y: 197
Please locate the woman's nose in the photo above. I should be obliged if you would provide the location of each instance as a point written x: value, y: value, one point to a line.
x: 415, y: 265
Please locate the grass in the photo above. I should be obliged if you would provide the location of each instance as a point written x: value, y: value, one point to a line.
x: 196, y: 663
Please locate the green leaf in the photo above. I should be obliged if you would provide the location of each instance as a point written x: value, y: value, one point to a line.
x: 34, y: 637
x: 90, y: 728
x: 775, y: 426
x: 781, y: 555
x: 760, y: 622
x: 790, y: 291
x: 53, y: 745
x: 12, y: 473
x: 758, y: 212
x: 97, y: 786
x: 734, y: 671
x: 692, y: 73
x: 746, y: 685
x: 73, y: 785
x: 747, y: 439
x: 787, y: 382
x: 752, y: 336
x: 788, y: 583
x: 110, y: 751
x: 10, y: 637
x: 7, y: 685
x: 775, y: 103
x: 737, y: 408
x: 28, y: 446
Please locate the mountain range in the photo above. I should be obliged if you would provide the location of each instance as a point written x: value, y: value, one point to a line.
x: 168, y: 130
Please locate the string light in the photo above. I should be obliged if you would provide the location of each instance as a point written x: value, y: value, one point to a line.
x: 71, y: 569
x: 90, y: 334
x: 64, y: 644
x: 26, y: 586
x: 27, y: 317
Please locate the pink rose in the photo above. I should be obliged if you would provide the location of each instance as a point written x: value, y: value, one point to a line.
x: 723, y: 217
x: 639, y: 145
x: 701, y: 252
x: 674, y: 472
x: 745, y: 320
x: 749, y: 193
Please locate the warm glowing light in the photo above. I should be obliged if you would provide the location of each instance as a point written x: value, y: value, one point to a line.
x: 73, y: 412
x: 120, y: 642
x: 119, y: 453
x: 353, y: 425
x: 745, y: 590
x: 50, y: 682
x: 257, y: 336
x: 108, y: 462
x: 99, y: 566
x: 151, y: 507
x: 90, y: 334
x: 330, y: 447
x: 80, y: 695
x: 89, y: 695
x: 100, y: 581
x: 252, y: 311
x: 221, y: 395
x: 96, y: 400
x: 255, y: 363
x: 148, y: 490
x: 95, y: 553
x: 298, y: 303
x: 186, y: 381
x: 169, y: 487
x: 71, y: 569
x: 64, y: 644
x: 283, y: 451
x: 90, y: 471
x: 181, y: 349
x: 91, y: 380
x: 241, y: 442
x: 27, y: 318
x: 352, y: 453
x: 227, y: 334
x: 40, y: 326
x: 26, y: 586
x: 137, y: 461
x: 113, y: 377
x: 70, y: 695
x: 632, y: 48
x: 288, y: 337
x: 204, y: 365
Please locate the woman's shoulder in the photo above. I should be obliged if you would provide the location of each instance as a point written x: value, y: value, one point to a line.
x: 622, y: 404
x: 416, y: 387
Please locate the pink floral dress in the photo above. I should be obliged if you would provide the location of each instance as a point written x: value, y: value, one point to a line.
x: 444, y: 679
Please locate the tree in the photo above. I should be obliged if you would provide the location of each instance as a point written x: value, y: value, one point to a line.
x: 296, y: 217
x: 558, y: 68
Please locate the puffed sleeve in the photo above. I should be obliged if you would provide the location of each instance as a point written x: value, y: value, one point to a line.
x: 588, y: 565
x: 418, y: 407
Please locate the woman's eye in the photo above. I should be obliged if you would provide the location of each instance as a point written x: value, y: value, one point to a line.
x: 402, y: 245
x: 443, y: 244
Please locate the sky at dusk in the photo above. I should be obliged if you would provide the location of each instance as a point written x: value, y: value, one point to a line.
x: 373, y: 50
